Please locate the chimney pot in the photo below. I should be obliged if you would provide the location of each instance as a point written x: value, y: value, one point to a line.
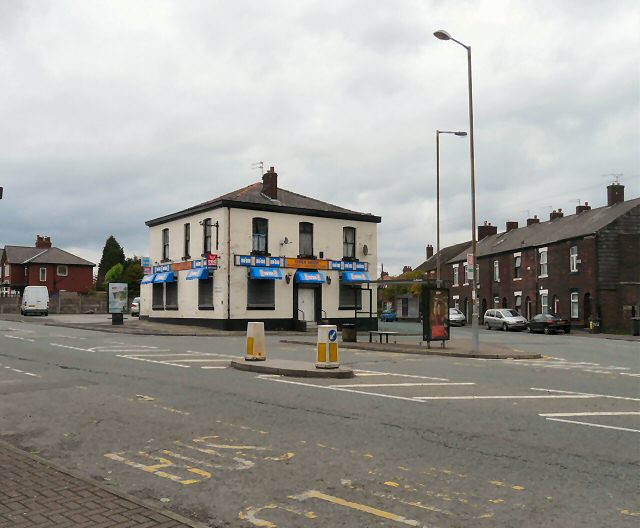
x: 43, y: 242
x: 615, y: 193
x: 511, y: 226
x: 534, y: 220
x: 270, y: 184
x: 556, y: 214
x: 486, y: 230
x: 429, y: 251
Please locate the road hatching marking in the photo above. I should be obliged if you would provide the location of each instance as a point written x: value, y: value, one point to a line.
x: 19, y: 371
x: 587, y: 394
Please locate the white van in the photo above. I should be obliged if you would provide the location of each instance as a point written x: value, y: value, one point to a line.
x: 35, y: 300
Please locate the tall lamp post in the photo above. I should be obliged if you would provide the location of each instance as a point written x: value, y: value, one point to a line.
x: 438, y: 132
x: 475, y: 335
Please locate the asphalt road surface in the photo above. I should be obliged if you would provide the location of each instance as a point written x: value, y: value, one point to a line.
x: 410, y: 441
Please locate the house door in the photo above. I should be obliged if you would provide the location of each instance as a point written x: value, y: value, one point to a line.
x: 586, y: 312
x: 306, y: 303
x: 405, y: 307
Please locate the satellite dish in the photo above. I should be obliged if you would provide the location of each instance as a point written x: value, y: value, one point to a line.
x: 365, y: 250
x: 285, y: 241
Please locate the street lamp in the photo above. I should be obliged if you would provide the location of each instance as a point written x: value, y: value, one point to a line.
x: 475, y: 335
x: 438, y: 132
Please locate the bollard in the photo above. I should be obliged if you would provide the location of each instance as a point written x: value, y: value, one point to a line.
x: 327, y: 355
x: 255, y: 342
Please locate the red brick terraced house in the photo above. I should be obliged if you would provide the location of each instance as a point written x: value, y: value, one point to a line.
x: 579, y: 266
x: 44, y: 265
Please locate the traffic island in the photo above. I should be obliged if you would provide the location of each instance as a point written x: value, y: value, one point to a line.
x: 295, y: 369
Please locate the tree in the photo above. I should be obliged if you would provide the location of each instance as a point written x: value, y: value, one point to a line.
x: 114, y: 274
x: 132, y: 274
x: 112, y: 254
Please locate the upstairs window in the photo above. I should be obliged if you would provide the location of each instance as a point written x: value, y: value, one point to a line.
x: 165, y: 244
x: 573, y: 259
x: 496, y: 271
x: 206, y: 236
x: 43, y: 274
x: 306, y: 239
x: 62, y: 270
x: 349, y: 243
x: 187, y: 241
x: 260, y: 236
x: 466, y: 274
x: 455, y: 275
x: 517, y: 267
x: 543, y: 263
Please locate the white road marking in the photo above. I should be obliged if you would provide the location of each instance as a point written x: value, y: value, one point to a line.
x: 587, y: 394
x: 201, y: 360
x: 20, y: 338
x: 20, y: 371
x: 597, y: 413
x: 594, y: 425
x: 630, y: 374
x: 153, y: 361
x: 377, y: 373
x: 233, y: 356
x: 214, y: 367
x: 72, y: 347
x: 368, y: 385
x: 501, y: 397
x: 174, y: 354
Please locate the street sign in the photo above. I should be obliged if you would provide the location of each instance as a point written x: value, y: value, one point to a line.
x: 470, y: 259
x: 145, y: 262
x: 333, y: 335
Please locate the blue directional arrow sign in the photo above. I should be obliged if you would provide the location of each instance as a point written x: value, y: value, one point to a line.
x: 333, y: 335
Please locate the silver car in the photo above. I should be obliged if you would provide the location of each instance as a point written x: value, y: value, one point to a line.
x: 505, y: 319
x: 456, y: 317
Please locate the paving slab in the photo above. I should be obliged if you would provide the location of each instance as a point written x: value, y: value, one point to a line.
x: 37, y: 493
x: 296, y: 369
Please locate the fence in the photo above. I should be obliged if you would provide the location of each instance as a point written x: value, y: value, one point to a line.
x: 61, y: 303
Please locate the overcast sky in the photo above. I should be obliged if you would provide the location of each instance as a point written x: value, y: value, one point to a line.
x: 112, y: 113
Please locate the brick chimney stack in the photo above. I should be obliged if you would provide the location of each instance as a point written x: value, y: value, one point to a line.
x: 486, y: 230
x: 43, y: 242
x: 406, y: 269
x: 534, y: 220
x: 615, y: 193
x: 270, y: 183
x: 556, y: 214
x: 582, y: 208
x: 429, y: 251
x: 511, y: 226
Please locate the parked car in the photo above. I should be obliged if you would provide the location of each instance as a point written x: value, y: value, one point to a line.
x: 505, y: 319
x: 549, y: 323
x: 456, y: 317
x: 35, y: 300
x: 135, y: 307
x: 388, y: 315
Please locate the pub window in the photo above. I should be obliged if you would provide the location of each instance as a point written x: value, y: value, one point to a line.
x: 260, y: 236
x: 157, y: 300
x: 350, y: 297
x: 517, y: 269
x: 187, y: 241
x: 171, y: 295
x: 165, y: 244
x: 261, y: 294
x: 206, y: 235
x: 205, y: 293
x: 349, y: 243
x: 306, y: 239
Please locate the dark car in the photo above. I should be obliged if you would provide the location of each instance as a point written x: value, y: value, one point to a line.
x: 548, y: 323
x: 388, y: 315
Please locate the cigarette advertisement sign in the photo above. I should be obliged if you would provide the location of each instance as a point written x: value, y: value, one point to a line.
x: 435, y: 310
x: 118, y: 293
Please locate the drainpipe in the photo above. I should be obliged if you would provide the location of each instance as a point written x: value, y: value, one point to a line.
x: 229, y: 264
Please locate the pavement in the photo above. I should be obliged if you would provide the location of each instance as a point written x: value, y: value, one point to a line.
x: 295, y: 369
x: 36, y: 493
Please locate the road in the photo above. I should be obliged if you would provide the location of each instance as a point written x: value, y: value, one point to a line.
x: 411, y: 441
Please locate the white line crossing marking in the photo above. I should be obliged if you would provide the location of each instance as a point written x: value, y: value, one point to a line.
x: 20, y: 338
x: 173, y: 354
x: 233, y: 356
x: 594, y: 425
x: 596, y: 413
x: 630, y: 374
x: 501, y: 397
x: 368, y: 385
x: 72, y: 347
x: 214, y: 367
x: 587, y: 394
x: 201, y: 360
x: 377, y: 373
x: 556, y: 363
x: 20, y: 371
x: 153, y: 361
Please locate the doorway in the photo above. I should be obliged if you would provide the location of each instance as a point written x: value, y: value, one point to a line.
x: 586, y: 312
x: 306, y: 304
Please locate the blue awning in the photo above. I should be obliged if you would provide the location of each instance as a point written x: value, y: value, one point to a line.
x: 148, y: 279
x: 164, y: 277
x: 198, y: 273
x: 355, y: 276
x: 265, y: 273
x: 309, y: 277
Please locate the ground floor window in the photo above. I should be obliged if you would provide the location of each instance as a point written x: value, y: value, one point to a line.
x: 351, y: 298
x: 574, y: 305
x: 205, y: 293
x: 496, y: 302
x: 157, y: 300
x: 261, y: 294
x: 171, y: 295
x: 556, y: 305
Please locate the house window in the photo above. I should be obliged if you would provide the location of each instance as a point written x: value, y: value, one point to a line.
x: 43, y: 274
x: 306, y: 239
x: 349, y: 243
x: 171, y: 295
x: 157, y: 300
x: 519, y: 304
x: 573, y: 259
x: 496, y: 271
x: 165, y: 244
x: 574, y: 305
x: 260, y: 236
x: 455, y: 275
x: 187, y: 241
x: 496, y: 302
x: 62, y: 270
x: 544, y: 302
x: 517, y: 267
x: 206, y: 236
x: 6, y: 270
x: 556, y: 305
x: 543, y: 262
x: 351, y: 297
x: 261, y: 294
x: 205, y: 293
x: 466, y: 274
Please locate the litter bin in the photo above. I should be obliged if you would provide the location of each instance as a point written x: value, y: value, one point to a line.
x: 635, y: 326
x: 594, y: 325
x: 349, y: 334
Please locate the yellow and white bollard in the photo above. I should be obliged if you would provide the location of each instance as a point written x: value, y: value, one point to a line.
x: 255, y: 342
x: 327, y: 350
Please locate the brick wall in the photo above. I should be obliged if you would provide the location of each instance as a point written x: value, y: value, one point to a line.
x: 79, y: 278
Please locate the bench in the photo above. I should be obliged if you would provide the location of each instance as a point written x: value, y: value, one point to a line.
x: 380, y: 333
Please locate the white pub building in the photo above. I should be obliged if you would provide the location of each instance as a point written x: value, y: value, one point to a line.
x: 262, y: 253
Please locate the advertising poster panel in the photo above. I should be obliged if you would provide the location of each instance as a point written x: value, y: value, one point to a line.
x: 435, y: 309
x: 118, y: 293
